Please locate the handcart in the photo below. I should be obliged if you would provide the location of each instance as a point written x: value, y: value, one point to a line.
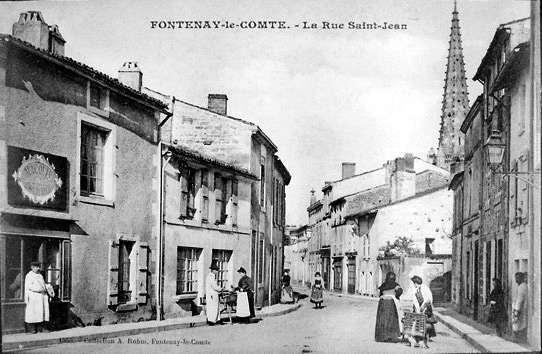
x: 229, y: 300
x: 415, y: 325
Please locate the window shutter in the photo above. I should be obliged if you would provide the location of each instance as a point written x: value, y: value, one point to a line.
x: 184, y: 190
x: 113, y: 284
x: 142, y: 273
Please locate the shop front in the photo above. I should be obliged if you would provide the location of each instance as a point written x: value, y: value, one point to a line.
x: 35, y: 225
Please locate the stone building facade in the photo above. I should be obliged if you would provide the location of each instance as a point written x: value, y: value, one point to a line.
x: 79, y: 171
x: 244, y: 146
x: 360, y: 213
x: 206, y: 216
x: 500, y: 208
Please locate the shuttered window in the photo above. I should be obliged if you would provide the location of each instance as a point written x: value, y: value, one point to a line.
x: 188, y: 192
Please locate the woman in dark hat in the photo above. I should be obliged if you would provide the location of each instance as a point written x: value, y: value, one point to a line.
x: 388, y: 318
x: 245, y: 296
x: 317, y: 293
x: 212, y: 290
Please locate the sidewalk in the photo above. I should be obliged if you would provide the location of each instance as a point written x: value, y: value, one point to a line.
x: 93, y: 334
x: 476, y: 334
x: 481, y: 337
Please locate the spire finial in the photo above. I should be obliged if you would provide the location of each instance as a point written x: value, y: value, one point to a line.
x: 455, y: 5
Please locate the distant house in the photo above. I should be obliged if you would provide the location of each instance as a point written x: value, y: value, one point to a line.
x: 407, y: 197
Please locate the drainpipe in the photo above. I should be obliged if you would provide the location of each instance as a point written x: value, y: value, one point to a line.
x: 161, y: 216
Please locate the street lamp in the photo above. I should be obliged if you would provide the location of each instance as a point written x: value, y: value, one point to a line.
x: 494, y: 148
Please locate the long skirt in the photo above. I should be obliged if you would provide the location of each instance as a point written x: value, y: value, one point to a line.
x: 243, y: 308
x: 317, y: 295
x: 387, y: 321
x: 286, y: 296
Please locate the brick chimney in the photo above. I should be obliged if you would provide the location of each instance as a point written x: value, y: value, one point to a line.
x: 218, y: 103
x: 402, y: 177
x: 349, y: 170
x: 131, y: 76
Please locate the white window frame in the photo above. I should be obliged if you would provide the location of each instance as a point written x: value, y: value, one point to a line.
x: 109, y: 151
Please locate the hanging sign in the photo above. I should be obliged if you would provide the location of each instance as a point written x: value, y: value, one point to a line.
x: 37, y: 179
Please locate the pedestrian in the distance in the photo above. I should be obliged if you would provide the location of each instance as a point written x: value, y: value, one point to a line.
x: 519, y: 309
x: 245, y: 297
x: 317, y: 293
x: 389, y: 314
x: 212, y: 292
x: 287, y: 293
x: 497, y: 310
x: 36, y: 299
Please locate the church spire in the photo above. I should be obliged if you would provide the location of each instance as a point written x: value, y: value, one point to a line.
x: 455, y: 103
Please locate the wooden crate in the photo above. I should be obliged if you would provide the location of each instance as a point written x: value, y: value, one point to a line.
x: 414, y: 324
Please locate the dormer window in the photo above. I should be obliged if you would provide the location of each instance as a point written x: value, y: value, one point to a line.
x: 98, y: 99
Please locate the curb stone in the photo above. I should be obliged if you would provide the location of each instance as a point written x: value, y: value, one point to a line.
x: 107, y: 332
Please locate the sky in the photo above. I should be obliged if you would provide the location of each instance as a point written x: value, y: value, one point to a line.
x: 324, y: 96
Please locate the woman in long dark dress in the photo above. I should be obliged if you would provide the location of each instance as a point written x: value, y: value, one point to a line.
x: 317, y: 293
x: 388, y: 321
x: 497, y: 311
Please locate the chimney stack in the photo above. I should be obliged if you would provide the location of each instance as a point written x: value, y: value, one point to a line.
x: 131, y: 76
x: 313, y: 197
x: 402, y: 177
x: 218, y: 103
x: 349, y: 170
x: 56, y: 41
x: 33, y: 29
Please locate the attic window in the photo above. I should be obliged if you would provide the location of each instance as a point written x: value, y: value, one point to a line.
x: 98, y: 98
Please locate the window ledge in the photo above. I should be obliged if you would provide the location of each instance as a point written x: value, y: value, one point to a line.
x: 96, y: 201
x: 181, y: 297
x: 126, y: 307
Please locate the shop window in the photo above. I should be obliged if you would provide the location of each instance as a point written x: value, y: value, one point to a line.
x: 13, y: 269
x: 187, y: 269
x: 54, y: 256
x: 223, y: 257
x: 128, y: 272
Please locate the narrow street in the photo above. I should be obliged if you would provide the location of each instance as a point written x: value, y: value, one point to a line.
x: 344, y: 325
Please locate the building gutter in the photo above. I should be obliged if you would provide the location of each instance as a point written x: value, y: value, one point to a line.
x: 161, y: 216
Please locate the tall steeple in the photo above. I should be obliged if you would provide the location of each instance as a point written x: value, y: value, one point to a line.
x: 455, y: 103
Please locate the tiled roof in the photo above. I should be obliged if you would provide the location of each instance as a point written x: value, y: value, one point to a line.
x: 367, y: 200
x: 191, y: 154
x: 82, y: 67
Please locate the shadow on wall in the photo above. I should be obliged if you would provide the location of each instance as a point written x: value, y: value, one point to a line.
x: 441, y: 287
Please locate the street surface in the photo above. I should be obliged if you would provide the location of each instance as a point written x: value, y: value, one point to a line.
x: 344, y: 325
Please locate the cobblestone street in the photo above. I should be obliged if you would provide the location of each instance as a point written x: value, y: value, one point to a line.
x: 344, y: 325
